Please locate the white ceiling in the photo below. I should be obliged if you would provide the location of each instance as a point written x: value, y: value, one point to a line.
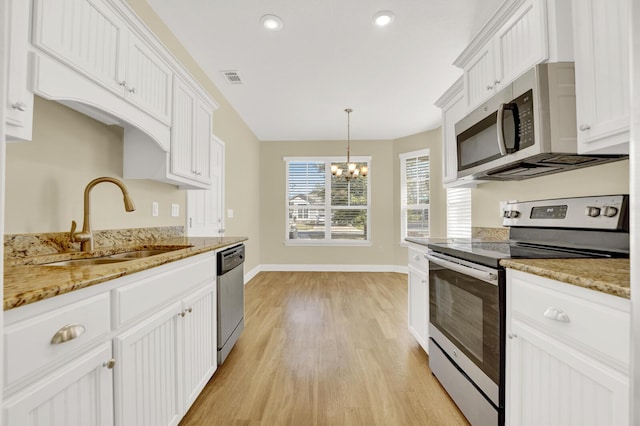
x: 328, y: 56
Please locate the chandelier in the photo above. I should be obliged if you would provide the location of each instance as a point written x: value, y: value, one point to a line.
x: 352, y: 171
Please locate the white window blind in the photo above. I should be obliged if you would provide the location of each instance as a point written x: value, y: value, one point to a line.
x: 414, y: 189
x: 458, y: 213
x: 324, y: 209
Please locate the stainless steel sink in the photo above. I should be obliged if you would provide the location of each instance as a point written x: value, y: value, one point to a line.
x: 113, y: 258
x: 86, y: 262
x: 138, y: 254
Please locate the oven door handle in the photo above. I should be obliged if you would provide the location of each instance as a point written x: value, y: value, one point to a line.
x: 490, y: 277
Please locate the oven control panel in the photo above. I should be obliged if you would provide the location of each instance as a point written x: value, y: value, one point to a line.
x: 606, y: 212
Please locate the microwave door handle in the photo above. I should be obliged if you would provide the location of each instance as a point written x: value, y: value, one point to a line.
x: 500, y: 126
x: 489, y: 277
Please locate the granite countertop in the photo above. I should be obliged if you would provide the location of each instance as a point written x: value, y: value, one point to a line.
x: 609, y: 276
x: 28, y: 280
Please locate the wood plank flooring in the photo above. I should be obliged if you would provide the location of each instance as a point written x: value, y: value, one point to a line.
x: 324, y: 348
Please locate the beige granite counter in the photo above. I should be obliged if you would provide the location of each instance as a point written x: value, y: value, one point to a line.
x: 609, y: 276
x: 27, y: 280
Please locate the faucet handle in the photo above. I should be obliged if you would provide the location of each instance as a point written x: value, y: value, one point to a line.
x: 72, y: 234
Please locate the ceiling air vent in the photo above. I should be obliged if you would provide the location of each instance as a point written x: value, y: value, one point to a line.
x: 232, y: 77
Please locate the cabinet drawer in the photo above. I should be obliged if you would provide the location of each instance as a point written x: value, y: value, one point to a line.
x: 573, y: 314
x: 417, y: 259
x: 28, y: 344
x: 152, y: 292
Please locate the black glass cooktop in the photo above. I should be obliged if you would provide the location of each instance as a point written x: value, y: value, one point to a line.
x: 490, y: 253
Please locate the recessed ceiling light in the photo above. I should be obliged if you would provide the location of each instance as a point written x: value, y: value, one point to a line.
x: 271, y: 22
x: 382, y: 18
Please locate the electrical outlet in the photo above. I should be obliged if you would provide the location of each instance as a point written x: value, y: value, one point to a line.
x: 154, y: 208
x: 175, y: 210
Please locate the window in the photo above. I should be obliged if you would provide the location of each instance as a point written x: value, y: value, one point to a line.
x: 458, y: 213
x: 414, y: 190
x: 322, y: 209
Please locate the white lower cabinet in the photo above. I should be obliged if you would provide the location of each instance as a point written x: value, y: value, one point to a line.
x: 567, y: 360
x: 147, y: 376
x: 79, y: 394
x: 162, y: 325
x: 418, y: 297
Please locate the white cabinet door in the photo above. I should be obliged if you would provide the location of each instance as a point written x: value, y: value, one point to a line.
x: 148, y: 80
x: 521, y: 42
x: 147, y: 391
x: 199, y: 345
x: 419, y: 306
x: 19, y: 111
x: 479, y: 78
x: 86, y: 35
x: 601, y: 38
x: 551, y: 383
x: 79, y: 394
x: 190, y: 135
x: 182, y: 130
x: 205, y: 208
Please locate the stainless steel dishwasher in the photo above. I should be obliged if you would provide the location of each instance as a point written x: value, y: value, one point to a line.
x: 230, y: 299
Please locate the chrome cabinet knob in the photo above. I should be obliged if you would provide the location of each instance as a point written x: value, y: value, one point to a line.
x: 584, y: 127
x: 20, y: 106
x: 512, y: 335
x: 132, y: 90
x: 109, y: 364
x: 489, y: 87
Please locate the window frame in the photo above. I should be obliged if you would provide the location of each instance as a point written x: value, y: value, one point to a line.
x: 327, y: 241
x: 403, y: 157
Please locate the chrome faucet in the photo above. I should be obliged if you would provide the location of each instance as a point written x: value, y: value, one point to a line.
x: 85, y: 237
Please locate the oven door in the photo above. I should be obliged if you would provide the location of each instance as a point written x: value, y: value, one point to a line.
x: 465, y: 318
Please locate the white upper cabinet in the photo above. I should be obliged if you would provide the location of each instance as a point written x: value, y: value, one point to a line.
x: 19, y: 109
x: 90, y: 37
x: 601, y: 34
x: 84, y: 34
x: 519, y: 35
x: 191, y: 135
x: 147, y: 80
x: 521, y: 42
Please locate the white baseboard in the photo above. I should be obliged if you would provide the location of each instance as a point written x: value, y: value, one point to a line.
x: 252, y: 273
x: 329, y: 268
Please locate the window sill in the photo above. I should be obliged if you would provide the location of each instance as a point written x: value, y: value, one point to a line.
x: 328, y: 243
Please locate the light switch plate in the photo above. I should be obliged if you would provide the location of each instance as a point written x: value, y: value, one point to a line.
x: 154, y: 208
x: 175, y: 210
x: 229, y: 212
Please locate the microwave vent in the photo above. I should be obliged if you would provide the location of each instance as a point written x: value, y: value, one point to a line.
x: 569, y: 160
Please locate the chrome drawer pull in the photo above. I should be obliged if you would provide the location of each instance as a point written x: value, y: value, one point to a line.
x: 66, y: 333
x: 556, y: 315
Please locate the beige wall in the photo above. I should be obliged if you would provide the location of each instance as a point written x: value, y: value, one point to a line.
x: 385, y: 200
x: 46, y: 177
x: 610, y: 178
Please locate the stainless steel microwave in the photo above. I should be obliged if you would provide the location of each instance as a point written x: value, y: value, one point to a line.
x: 527, y: 129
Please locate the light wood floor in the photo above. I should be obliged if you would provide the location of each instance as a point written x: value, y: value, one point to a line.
x: 325, y: 349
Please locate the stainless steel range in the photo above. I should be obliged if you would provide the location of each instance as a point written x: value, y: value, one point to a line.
x: 467, y: 290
